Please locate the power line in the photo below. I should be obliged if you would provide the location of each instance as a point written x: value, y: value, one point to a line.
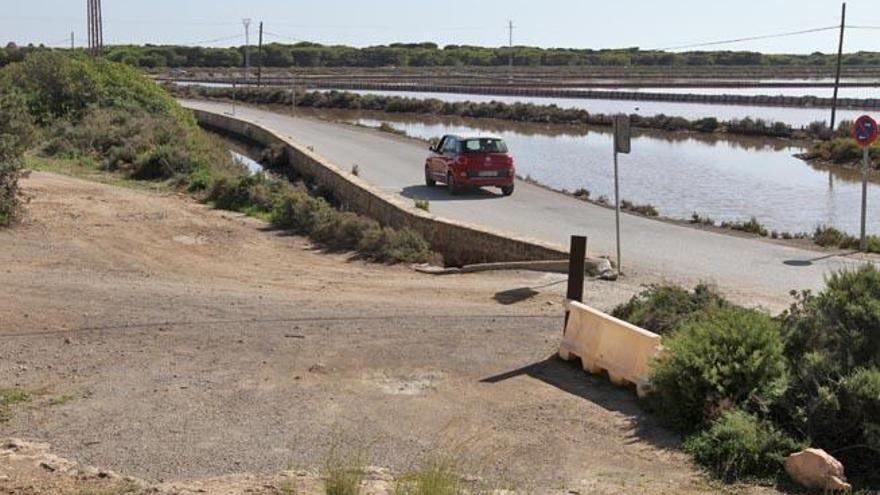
x: 281, y: 36
x: 115, y: 21
x: 64, y: 42
x: 749, y: 38
x: 215, y: 40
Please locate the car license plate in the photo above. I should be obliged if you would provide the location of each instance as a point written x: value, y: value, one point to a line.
x: 488, y: 173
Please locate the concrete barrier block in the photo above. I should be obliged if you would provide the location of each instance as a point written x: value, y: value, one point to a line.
x: 603, y: 342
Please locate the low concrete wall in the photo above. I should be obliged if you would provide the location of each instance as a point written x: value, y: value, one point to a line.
x: 603, y: 342
x: 459, y: 242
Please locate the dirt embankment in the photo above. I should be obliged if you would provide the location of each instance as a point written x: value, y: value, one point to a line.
x: 187, y: 347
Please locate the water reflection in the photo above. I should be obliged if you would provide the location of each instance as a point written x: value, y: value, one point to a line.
x: 721, y: 177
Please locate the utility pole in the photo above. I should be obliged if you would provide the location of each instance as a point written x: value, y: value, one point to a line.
x: 247, y: 48
x: 72, y: 41
x: 234, y: 90
x: 96, y: 28
x: 260, y: 57
x: 293, y: 92
x: 510, y: 51
x: 837, y: 77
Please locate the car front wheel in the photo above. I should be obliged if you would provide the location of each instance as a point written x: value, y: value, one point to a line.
x: 429, y: 181
x: 507, y: 190
x: 450, y: 185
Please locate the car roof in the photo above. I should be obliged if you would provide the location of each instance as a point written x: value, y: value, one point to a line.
x: 465, y: 138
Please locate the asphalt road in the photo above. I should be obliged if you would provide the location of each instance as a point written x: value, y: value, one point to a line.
x: 746, y: 269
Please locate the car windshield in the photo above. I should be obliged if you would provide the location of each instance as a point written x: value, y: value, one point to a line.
x: 484, y: 145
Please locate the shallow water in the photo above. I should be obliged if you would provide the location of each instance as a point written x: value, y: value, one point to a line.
x: 798, y: 117
x: 251, y: 164
x: 860, y: 93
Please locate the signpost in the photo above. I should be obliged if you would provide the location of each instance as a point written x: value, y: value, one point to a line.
x: 865, y: 133
x: 234, y: 91
x: 622, y: 139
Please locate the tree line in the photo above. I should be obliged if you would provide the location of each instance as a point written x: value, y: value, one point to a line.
x: 307, y: 54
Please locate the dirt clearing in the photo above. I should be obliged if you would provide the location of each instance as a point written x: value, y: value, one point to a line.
x: 176, y: 344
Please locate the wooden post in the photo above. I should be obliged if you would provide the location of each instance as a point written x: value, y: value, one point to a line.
x: 577, y: 255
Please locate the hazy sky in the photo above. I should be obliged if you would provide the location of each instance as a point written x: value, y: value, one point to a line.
x: 563, y: 23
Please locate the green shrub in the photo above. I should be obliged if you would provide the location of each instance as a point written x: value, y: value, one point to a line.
x: 696, y: 218
x: 438, y: 476
x: 582, y: 193
x: 662, y: 308
x: 60, y: 85
x: 831, y: 237
x: 707, y: 124
x: 819, y: 130
x: 423, y: 204
x: 343, y: 472
x: 842, y: 322
x: 751, y: 226
x: 16, y: 134
x: 841, y: 150
x: 860, y: 404
x: 738, y: 445
x: 646, y: 209
x: 9, y: 397
x: 386, y: 127
x: 115, y: 115
x: 248, y: 190
x: 298, y: 211
x: 274, y: 156
x: 390, y: 245
x: 722, y: 359
x: 833, y: 345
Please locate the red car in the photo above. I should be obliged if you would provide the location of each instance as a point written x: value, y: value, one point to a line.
x: 470, y: 162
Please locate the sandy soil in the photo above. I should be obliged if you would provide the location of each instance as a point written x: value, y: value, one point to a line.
x: 187, y: 347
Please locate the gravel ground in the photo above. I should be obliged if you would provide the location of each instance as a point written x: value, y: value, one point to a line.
x: 177, y: 344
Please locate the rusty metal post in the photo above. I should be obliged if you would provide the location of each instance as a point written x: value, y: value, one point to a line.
x: 577, y: 255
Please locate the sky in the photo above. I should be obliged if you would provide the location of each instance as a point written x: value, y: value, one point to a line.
x: 546, y: 23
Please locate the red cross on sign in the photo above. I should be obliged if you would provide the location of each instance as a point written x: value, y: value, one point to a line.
x: 865, y: 131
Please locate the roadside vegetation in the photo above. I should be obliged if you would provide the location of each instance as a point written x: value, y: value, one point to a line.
x: 438, y: 475
x: 9, y: 398
x: 750, y: 226
x: 645, y: 209
x: 423, y: 204
x: 16, y: 135
x: 747, y: 389
x: 102, y: 116
x: 842, y: 150
x: 519, y: 112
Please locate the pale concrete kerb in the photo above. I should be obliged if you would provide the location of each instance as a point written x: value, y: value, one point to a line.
x: 605, y: 343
